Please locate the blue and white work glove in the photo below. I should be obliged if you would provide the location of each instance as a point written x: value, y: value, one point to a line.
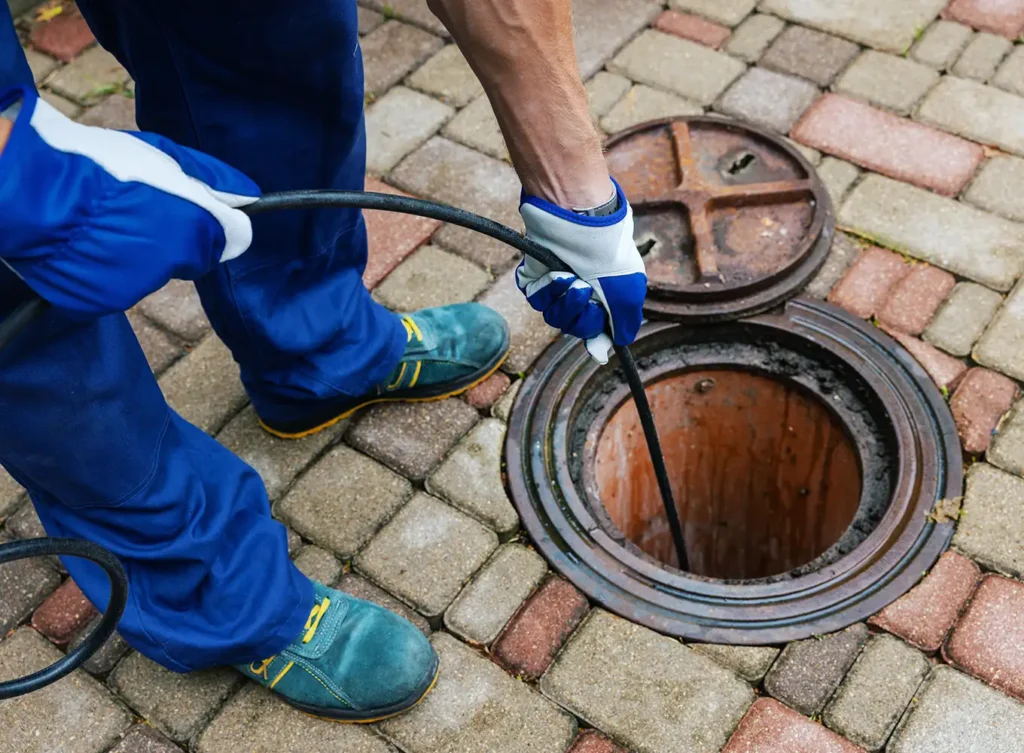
x: 606, y: 295
x: 95, y: 220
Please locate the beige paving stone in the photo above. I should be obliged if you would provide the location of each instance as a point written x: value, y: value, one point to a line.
x: 991, y: 527
x: 447, y: 75
x: 415, y: 12
x: 11, y: 494
x: 643, y: 103
x: 678, y: 65
x: 1007, y: 450
x: 160, y: 348
x: 602, y: 28
x: 999, y: 187
x: 810, y: 54
x: 603, y: 91
x: 76, y: 715
x: 976, y: 112
x: 982, y: 56
x: 61, y: 104
x: 477, y: 708
x: 651, y: 693
x: 41, y: 65
x: 768, y: 99
x: 342, y: 500
x: 838, y: 176
x: 204, y: 386
x: 503, y: 408
x: 90, y: 77
x: 728, y: 12
x: 398, y: 123
x: 962, y: 318
x: 391, y: 52
x: 318, y: 564
x: 529, y: 333
x: 477, y: 127
x: 1010, y: 75
x: 890, y: 81
x: 941, y: 44
x: 752, y: 37
x: 1002, y: 346
x: 431, y: 277
x: 176, y: 307
x: 749, y: 662
x: 845, y: 250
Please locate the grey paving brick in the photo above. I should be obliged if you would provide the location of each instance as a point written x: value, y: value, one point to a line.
x: 991, y: 528
x: 728, y: 12
x: 768, y: 99
x: 678, y: 65
x: 278, y: 461
x: 838, y: 176
x: 998, y: 187
x: 1002, y: 346
x: 477, y: 708
x: 643, y: 103
x: 41, y: 65
x: 342, y: 500
x: 109, y: 653
x: 116, y: 111
x: 361, y: 588
x: 1010, y: 75
x: 1007, y: 449
x: 427, y: 553
x: 431, y: 277
x: 25, y: 523
x: 982, y: 56
x: 957, y: 714
x: 808, y: 672
x: 457, y: 175
x: 76, y: 715
x: 749, y: 662
x: 160, y: 349
x: 881, y: 24
x: 940, y: 231
x: 91, y: 76
x: 977, y: 112
x: 480, y: 612
x: 889, y: 81
x: 603, y: 91
x: 294, y: 542
x: 470, y: 478
x: 179, y: 704
x: 204, y: 387
x: 11, y: 494
x: 529, y: 333
x: 941, y: 44
x: 447, y: 75
x: 649, y: 692
x: 873, y: 697
x: 843, y: 253
x: 61, y: 104
x: 962, y: 318
x: 255, y: 721
x: 751, y: 38
x: 412, y: 438
x: 477, y: 127
x: 23, y: 586
x: 317, y: 564
x: 398, y: 123
x: 144, y: 739
x: 368, y: 20
x: 415, y: 12
x: 391, y: 51
x: 810, y: 54
x: 602, y: 28
x: 503, y: 408
x: 176, y: 307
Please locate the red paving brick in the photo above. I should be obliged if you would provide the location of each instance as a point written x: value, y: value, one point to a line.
x: 988, y: 642
x: 1005, y: 17
x: 392, y: 236
x: 891, y: 145
x: 694, y: 28
x: 592, y: 741
x: 923, y: 616
x: 63, y: 614
x: 866, y: 285
x: 63, y: 37
x: 978, y: 404
x: 770, y: 727
x: 530, y: 641
x: 487, y: 393
x: 944, y: 370
x: 915, y: 298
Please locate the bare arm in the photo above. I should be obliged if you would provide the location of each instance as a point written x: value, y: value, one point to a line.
x: 524, y: 53
x: 5, y: 131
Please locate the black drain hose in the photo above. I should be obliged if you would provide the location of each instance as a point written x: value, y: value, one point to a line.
x: 27, y: 312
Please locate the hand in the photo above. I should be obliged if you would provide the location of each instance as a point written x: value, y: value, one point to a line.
x: 606, y: 293
x: 95, y: 220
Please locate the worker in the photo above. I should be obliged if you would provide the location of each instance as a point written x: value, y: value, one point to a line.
x: 236, y: 97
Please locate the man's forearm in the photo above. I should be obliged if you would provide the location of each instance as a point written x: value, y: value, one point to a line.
x: 5, y: 132
x: 524, y: 53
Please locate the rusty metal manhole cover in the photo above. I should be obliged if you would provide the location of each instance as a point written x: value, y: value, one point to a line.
x: 732, y: 220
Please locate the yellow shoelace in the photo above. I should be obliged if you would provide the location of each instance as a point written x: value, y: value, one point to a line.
x: 411, y: 330
x: 312, y: 623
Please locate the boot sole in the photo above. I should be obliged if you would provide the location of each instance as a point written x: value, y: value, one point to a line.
x: 458, y: 389
x: 371, y: 716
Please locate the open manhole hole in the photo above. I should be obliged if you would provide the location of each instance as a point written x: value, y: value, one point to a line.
x: 806, y: 448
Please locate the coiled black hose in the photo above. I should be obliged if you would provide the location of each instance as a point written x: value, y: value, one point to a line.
x: 15, y: 323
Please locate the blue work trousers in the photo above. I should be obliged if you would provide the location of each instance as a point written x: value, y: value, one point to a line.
x: 275, y: 89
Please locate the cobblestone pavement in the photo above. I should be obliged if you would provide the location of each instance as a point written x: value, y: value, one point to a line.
x: 913, y: 111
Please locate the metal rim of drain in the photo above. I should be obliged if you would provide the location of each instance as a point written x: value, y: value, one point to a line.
x: 549, y: 478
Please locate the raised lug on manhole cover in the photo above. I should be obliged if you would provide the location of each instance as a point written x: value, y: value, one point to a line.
x: 731, y: 219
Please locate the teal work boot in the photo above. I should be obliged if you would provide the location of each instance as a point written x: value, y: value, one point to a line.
x: 353, y: 662
x: 449, y: 350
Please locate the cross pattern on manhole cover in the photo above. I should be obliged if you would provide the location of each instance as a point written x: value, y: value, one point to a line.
x: 731, y: 219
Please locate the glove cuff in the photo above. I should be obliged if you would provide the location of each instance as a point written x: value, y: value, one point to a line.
x: 584, y: 220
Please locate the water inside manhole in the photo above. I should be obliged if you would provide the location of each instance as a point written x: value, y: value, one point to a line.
x: 765, y: 477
